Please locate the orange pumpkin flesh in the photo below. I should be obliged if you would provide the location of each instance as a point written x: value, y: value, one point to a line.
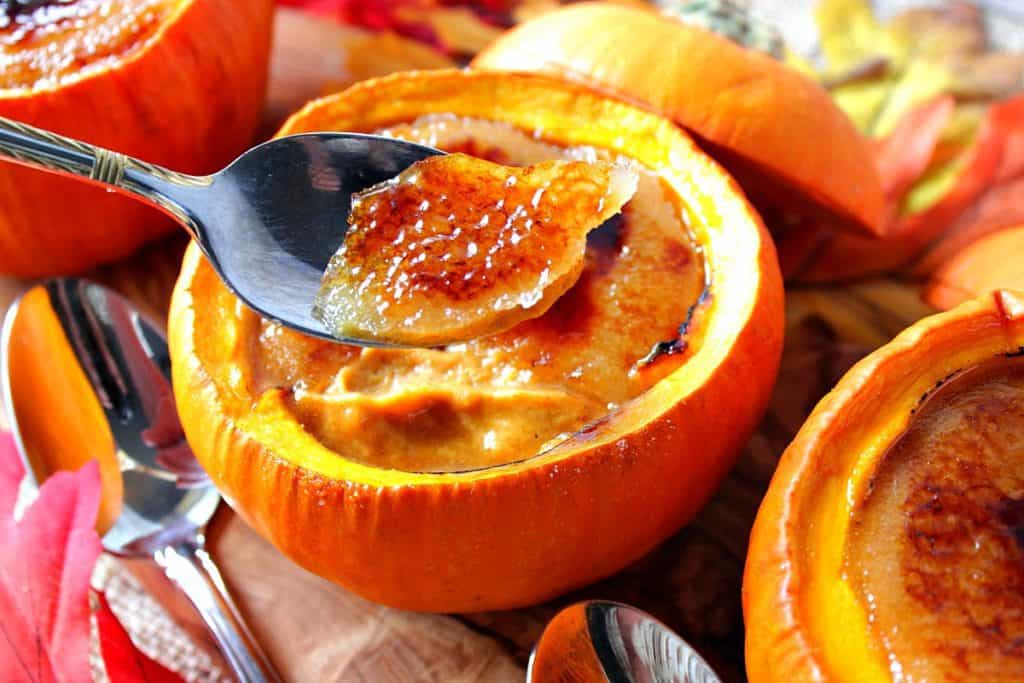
x: 888, y: 544
x: 456, y: 247
x: 68, y: 433
x: 152, y: 78
x: 777, y: 131
x: 460, y: 492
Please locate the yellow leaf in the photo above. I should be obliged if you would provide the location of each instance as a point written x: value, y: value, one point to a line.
x: 932, y: 187
x: 849, y: 33
x: 862, y: 100
x: 920, y: 81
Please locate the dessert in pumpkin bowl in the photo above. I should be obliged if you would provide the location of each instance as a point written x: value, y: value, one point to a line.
x: 513, y: 467
x: 889, y: 546
x: 179, y: 83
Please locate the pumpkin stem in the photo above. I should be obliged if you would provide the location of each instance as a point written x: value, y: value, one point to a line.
x: 730, y: 20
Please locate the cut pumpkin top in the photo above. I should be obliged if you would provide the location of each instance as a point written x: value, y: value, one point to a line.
x: 456, y: 247
x: 44, y: 43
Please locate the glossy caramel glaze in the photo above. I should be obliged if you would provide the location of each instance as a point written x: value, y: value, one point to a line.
x: 498, y: 398
x: 457, y: 247
x: 937, y: 547
x: 44, y: 43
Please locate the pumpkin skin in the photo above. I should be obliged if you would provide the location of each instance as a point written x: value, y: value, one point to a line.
x: 777, y: 131
x: 526, y: 531
x: 188, y: 97
x: 805, y: 621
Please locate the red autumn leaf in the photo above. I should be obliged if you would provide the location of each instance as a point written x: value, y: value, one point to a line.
x: 992, y: 262
x: 1000, y: 204
x: 996, y: 158
x: 409, y: 18
x: 123, y: 661
x: 11, y: 474
x: 46, y: 559
x: 903, y: 155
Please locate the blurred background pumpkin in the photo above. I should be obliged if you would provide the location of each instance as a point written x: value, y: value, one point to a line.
x: 175, y: 82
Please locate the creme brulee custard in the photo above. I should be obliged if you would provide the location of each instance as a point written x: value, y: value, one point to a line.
x: 505, y: 396
x: 44, y: 41
x: 457, y: 247
x: 936, y: 551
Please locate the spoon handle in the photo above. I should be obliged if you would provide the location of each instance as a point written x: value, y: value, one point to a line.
x: 192, y: 569
x: 43, y: 149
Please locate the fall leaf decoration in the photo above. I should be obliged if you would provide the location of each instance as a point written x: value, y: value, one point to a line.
x: 989, y: 263
x: 124, y: 662
x: 950, y: 125
x: 46, y: 559
x: 458, y: 28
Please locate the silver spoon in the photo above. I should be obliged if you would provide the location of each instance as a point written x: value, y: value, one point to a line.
x: 268, y: 223
x: 608, y: 641
x: 167, y: 499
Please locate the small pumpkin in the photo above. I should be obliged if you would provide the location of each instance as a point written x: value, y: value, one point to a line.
x: 494, y: 474
x: 888, y: 545
x: 175, y: 82
x: 776, y: 130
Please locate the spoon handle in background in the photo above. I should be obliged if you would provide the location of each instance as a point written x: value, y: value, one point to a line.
x: 191, y: 568
x: 48, y: 151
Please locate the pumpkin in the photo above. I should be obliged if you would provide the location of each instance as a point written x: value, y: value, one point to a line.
x: 776, y: 130
x: 888, y: 544
x: 175, y: 82
x: 477, y: 477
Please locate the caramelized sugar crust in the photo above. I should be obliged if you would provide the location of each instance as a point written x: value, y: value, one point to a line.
x: 45, y: 42
x: 502, y: 397
x: 457, y: 247
x: 937, y: 550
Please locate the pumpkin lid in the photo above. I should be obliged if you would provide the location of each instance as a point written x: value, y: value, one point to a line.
x: 776, y: 130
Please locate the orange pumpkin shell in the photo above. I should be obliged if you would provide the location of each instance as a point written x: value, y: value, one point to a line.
x: 527, y: 530
x: 181, y: 83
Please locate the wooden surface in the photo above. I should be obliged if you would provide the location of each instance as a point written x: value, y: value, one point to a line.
x: 316, y: 631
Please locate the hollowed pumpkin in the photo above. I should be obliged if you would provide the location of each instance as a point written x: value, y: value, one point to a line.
x: 514, y: 467
x: 776, y: 130
x: 995, y: 261
x: 889, y: 544
x: 175, y: 82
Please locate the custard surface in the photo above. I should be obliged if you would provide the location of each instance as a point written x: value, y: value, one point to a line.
x: 41, y: 46
x: 936, y: 550
x: 499, y: 398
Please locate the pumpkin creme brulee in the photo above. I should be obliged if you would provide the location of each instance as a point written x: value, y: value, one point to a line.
x: 937, y: 547
x: 457, y: 247
x: 502, y: 397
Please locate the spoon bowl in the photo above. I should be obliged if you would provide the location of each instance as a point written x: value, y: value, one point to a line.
x: 268, y: 223
x: 598, y: 640
x: 113, y: 365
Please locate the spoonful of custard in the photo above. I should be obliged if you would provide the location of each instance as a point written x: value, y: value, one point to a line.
x: 456, y: 247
